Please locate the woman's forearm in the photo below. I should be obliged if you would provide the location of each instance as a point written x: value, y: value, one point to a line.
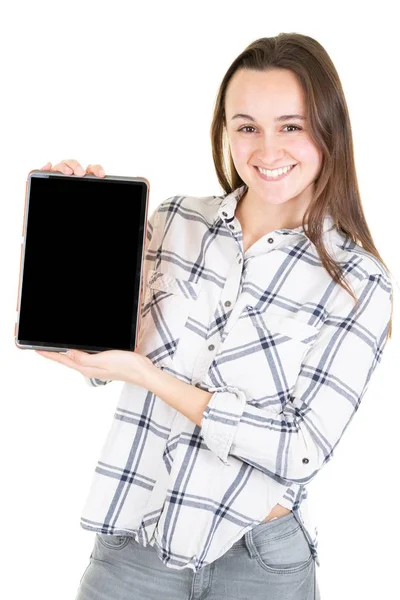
x: 187, y: 399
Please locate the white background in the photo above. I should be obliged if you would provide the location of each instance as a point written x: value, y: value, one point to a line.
x: 132, y: 86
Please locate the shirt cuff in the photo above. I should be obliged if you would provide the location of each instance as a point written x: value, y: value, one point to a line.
x: 95, y: 382
x: 220, y: 419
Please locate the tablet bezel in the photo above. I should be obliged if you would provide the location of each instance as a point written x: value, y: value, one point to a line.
x: 23, y: 345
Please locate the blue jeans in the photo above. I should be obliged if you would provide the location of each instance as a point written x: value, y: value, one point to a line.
x: 272, y: 561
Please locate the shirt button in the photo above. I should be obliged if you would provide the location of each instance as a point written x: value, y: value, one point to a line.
x: 227, y: 303
x: 239, y: 261
x: 305, y: 460
x: 197, y: 384
x: 225, y: 214
x: 232, y: 226
x: 270, y: 240
x: 211, y: 347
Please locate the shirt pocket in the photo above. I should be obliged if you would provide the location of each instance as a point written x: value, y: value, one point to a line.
x: 263, y: 354
x: 291, y: 327
x: 168, y: 303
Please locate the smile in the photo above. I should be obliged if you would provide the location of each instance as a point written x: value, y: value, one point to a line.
x: 276, y: 175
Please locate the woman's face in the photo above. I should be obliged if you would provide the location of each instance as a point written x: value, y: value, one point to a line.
x: 259, y: 139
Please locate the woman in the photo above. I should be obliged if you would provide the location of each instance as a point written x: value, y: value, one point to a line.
x: 243, y: 381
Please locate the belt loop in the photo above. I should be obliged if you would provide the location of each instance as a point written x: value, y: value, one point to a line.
x: 248, y: 538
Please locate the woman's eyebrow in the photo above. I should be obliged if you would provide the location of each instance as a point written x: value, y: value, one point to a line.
x: 281, y: 118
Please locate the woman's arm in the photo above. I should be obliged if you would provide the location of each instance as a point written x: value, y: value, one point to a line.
x: 293, y: 445
x: 187, y: 399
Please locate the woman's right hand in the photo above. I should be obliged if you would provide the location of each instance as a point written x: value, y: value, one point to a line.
x: 72, y: 167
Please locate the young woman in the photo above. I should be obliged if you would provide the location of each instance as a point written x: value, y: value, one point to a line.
x: 256, y: 304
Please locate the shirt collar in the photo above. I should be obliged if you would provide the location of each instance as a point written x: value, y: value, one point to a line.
x: 226, y: 212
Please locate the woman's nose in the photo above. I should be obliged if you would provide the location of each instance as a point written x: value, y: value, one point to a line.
x: 271, y: 150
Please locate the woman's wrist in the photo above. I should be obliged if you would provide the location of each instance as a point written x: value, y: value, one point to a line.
x: 184, y: 397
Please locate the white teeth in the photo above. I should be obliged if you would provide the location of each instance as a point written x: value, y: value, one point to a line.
x: 275, y: 172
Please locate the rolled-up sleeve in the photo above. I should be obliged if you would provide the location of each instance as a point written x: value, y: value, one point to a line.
x: 95, y: 382
x: 294, y: 444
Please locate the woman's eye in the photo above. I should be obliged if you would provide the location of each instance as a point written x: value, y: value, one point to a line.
x: 295, y: 126
x: 246, y: 127
x: 251, y: 127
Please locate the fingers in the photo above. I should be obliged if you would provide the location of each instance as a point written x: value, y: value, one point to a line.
x: 69, y: 167
x: 65, y: 166
x: 96, y: 170
x: 61, y: 357
x: 73, y: 167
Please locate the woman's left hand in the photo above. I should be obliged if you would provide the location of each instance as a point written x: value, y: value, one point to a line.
x: 107, y: 365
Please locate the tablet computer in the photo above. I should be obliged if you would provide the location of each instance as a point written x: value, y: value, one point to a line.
x: 81, y: 262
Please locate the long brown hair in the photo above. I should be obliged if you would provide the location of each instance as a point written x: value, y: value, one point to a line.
x: 336, y: 188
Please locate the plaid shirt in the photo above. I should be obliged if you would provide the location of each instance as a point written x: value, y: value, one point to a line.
x: 285, y: 352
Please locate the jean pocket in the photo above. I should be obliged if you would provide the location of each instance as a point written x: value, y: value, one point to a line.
x: 280, y: 546
x: 114, y: 542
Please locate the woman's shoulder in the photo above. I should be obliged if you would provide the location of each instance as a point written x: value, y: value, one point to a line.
x: 367, y: 263
x: 186, y: 206
x: 354, y: 258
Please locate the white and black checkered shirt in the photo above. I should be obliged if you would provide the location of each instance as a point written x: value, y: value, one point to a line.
x: 287, y: 355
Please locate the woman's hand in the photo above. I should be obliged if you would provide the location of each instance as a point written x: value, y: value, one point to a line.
x: 108, y: 365
x: 72, y: 167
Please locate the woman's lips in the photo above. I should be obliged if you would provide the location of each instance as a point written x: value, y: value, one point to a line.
x: 279, y: 178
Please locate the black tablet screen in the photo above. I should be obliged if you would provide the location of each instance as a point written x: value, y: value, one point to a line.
x: 84, y: 240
